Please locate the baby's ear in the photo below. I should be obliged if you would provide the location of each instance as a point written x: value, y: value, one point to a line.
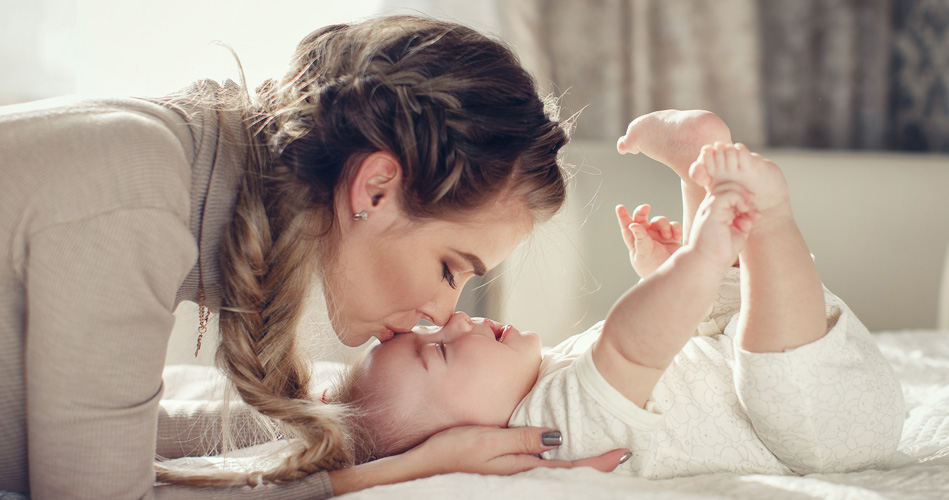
x: 328, y: 396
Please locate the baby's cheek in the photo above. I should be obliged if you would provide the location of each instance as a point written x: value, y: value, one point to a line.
x: 492, y: 407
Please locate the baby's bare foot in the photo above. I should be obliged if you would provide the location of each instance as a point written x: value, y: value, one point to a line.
x: 721, y: 163
x: 673, y: 137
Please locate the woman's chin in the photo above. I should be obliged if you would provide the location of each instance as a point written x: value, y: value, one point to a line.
x: 352, y: 337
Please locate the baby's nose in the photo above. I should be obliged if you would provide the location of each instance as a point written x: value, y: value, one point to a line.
x: 460, y: 320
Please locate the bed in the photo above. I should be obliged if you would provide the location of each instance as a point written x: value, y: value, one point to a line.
x: 920, y: 471
x: 921, y: 359
x: 874, y: 223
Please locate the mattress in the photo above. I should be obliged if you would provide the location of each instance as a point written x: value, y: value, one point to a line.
x: 920, y: 470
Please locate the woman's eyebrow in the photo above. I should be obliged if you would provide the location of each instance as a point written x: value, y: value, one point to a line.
x: 479, y: 268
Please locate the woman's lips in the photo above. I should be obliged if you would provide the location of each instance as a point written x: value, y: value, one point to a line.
x: 386, y: 334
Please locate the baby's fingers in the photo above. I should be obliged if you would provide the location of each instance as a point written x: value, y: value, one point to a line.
x: 732, y: 203
x: 661, y: 226
x: 625, y: 221
x: 745, y: 221
x: 734, y: 195
x: 641, y: 240
x: 676, y: 231
x: 641, y: 214
x: 623, y: 216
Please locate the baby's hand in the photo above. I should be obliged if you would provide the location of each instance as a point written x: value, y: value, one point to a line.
x: 723, y: 222
x: 650, y: 243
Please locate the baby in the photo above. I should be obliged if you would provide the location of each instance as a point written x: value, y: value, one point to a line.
x: 691, y: 383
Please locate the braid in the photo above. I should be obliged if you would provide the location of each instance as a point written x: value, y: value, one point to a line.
x: 266, y: 292
x: 268, y: 270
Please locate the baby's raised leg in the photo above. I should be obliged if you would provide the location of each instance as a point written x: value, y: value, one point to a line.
x: 782, y: 299
x: 675, y: 138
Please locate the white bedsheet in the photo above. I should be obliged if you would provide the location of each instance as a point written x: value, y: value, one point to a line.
x: 920, y: 358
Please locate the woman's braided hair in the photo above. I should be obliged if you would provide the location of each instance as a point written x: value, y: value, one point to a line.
x: 465, y: 121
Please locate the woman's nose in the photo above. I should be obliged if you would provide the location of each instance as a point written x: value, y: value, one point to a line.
x: 439, y: 310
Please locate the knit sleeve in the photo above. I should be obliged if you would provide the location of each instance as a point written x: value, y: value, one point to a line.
x: 100, y: 295
x: 100, y: 292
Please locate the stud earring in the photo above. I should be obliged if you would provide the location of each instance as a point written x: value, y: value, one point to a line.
x: 361, y: 216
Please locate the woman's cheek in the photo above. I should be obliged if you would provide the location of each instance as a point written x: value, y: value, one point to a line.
x: 406, y: 290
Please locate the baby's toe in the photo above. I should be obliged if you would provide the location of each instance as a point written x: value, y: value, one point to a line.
x: 629, y: 143
x: 699, y: 173
x: 730, y: 159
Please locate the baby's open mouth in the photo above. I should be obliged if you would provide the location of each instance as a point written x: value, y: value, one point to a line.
x: 498, y: 330
x: 503, y: 333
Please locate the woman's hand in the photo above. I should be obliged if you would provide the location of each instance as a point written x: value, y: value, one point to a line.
x: 472, y: 449
x: 492, y: 450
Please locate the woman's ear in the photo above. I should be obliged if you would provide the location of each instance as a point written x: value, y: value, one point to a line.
x: 376, y: 188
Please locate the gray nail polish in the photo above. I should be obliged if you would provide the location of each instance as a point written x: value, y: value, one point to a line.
x: 626, y: 456
x: 552, y: 438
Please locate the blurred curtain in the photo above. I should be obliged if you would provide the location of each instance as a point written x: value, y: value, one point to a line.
x: 845, y: 74
x: 617, y: 59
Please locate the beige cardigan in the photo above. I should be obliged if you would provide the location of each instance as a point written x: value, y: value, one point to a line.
x: 101, y: 202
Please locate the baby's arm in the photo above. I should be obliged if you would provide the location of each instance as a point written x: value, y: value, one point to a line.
x: 650, y: 323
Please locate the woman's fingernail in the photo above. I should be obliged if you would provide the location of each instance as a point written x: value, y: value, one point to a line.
x: 551, y: 438
x: 626, y: 456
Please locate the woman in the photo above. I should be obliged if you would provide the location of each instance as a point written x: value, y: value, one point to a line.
x: 397, y: 158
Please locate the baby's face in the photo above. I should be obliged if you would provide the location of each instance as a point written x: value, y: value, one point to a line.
x: 469, y: 372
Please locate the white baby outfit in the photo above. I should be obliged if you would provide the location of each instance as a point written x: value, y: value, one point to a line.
x: 830, y: 406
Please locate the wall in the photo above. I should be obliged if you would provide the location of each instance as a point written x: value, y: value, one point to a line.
x: 876, y: 223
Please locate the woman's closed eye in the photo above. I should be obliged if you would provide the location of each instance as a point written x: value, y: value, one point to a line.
x: 448, y: 276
